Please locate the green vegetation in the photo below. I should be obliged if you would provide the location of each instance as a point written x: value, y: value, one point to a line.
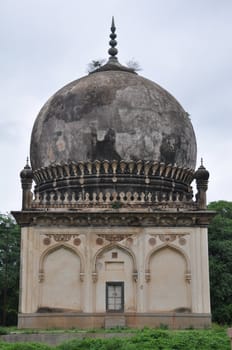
x: 220, y: 262
x: 146, y: 339
x: 9, y: 269
x: 25, y: 346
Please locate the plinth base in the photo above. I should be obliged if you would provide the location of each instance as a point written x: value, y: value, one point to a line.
x: 98, y: 320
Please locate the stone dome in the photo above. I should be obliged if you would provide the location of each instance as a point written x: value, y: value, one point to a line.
x: 112, y: 115
x: 113, y: 137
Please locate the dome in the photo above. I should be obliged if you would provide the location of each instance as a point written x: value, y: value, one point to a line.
x: 113, y: 115
x: 112, y: 136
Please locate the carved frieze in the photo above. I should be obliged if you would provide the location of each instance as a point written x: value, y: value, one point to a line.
x: 121, y: 218
x: 168, y: 238
x: 61, y: 237
x: 114, y: 237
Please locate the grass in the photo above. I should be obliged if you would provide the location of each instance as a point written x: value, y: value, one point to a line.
x: 145, y: 339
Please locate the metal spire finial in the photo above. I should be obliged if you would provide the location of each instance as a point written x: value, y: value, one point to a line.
x: 27, y: 166
x: 112, y: 50
x: 201, y: 161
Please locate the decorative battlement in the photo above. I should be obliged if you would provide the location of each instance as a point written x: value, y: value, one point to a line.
x: 113, y: 185
x: 110, y: 200
x: 109, y: 184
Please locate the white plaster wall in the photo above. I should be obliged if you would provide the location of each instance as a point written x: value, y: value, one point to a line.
x: 138, y: 294
x: 29, y: 270
x: 61, y: 286
x: 200, y: 271
x: 168, y: 288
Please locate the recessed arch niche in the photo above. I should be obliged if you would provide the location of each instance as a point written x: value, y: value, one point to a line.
x: 114, y: 263
x: 61, y: 286
x: 169, y: 287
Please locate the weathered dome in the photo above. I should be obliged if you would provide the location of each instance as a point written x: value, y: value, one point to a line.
x: 112, y: 115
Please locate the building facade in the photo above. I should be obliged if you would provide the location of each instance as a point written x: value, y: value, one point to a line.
x: 111, y: 234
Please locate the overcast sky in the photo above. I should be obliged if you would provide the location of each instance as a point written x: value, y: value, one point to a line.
x: 183, y: 45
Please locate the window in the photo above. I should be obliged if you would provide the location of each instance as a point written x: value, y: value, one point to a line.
x: 115, y: 296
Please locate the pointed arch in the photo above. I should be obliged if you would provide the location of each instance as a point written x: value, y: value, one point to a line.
x: 60, y: 287
x: 57, y: 247
x: 171, y: 246
x: 168, y: 269
x: 127, y: 274
x: 113, y: 246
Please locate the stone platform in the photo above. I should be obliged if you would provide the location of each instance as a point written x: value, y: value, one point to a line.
x: 101, y: 320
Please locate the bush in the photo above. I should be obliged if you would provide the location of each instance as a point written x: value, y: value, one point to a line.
x: 3, y: 330
x: 24, y: 346
x: 146, y: 339
x: 151, y: 339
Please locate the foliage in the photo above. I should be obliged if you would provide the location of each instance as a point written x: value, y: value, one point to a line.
x: 9, y: 269
x: 24, y: 346
x: 156, y: 339
x: 146, y: 339
x: 133, y: 65
x: 4, y: 330
x: 95, y: 64
x: 220, y: 262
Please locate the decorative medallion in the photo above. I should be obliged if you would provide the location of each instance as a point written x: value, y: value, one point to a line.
x: 182, y: 240
x: 152, y: 241
x: 77, y: 241
x: 46, y: 241
x: 129, y: 241
x: 99, y: 241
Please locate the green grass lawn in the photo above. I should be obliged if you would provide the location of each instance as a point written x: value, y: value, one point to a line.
x: 146, y: 339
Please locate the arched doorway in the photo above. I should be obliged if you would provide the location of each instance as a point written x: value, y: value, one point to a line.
x: 115, y: 287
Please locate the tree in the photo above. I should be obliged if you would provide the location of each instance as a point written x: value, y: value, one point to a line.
x: 9, y: 269
x: 220, y: 262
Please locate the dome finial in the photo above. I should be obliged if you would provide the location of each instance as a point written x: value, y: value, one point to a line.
x: 112, y: 50
x: 27, y: 166
x: 201, y: 161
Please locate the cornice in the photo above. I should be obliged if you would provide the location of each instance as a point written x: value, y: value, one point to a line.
x: 114, y: 218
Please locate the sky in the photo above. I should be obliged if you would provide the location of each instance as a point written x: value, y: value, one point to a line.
x: 183, y: 45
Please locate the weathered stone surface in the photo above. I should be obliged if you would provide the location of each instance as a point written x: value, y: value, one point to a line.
x: 112, y: 115
x: 115, y: 321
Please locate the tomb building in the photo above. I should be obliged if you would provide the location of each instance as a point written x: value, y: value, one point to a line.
x: 111, y: 234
